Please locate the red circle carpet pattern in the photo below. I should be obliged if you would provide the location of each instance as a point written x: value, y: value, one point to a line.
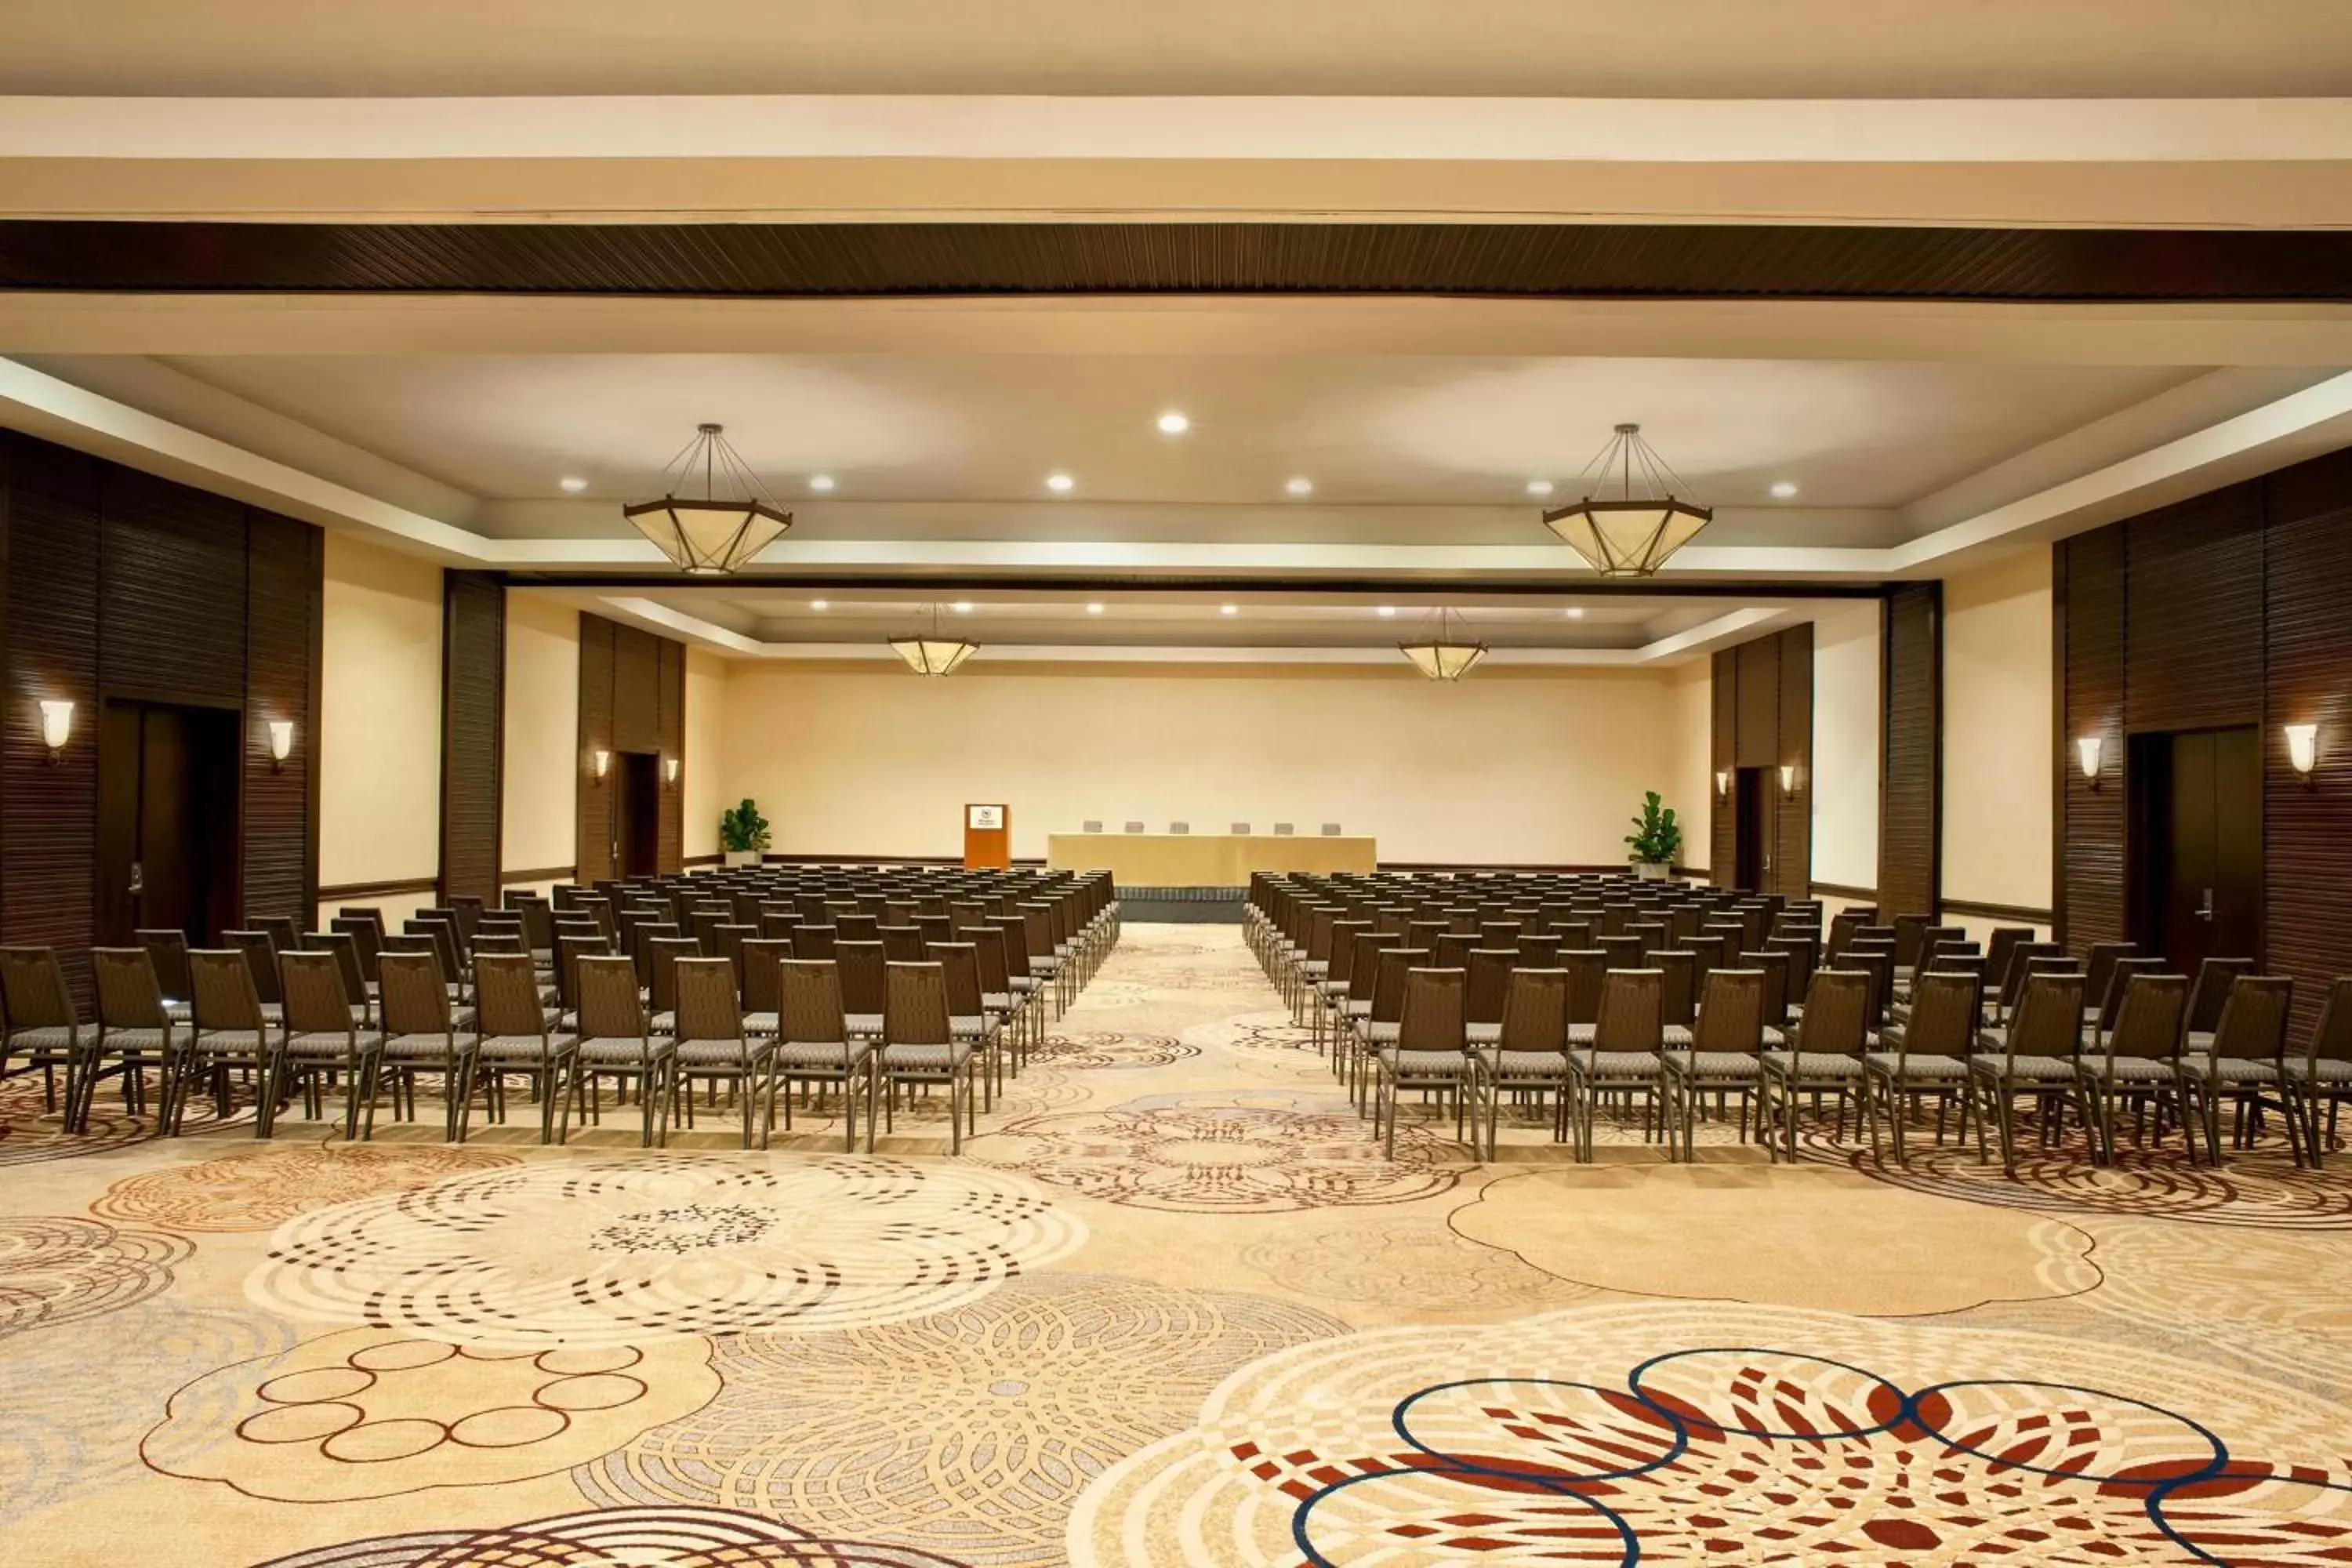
x: 616, y: 1538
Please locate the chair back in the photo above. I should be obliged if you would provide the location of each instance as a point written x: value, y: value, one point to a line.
x: 128, y: 994
x: 960, y: 961
x: 762, y: 977
x: 663, y: 954
x: 863, y: 987
x: 1587, y: 970
x: 412, y: 997
x: 1837, y: 1019
x: 2048, y: 1021
x: 1534, y: 1010
x: 1538, y: 952
x: 1679, y: 1001
x: 2011, y: 975
x: 901, y: 944
x: 169, y: 949
x: 2216, y: 978
x: 1946, y: 1007
x: 316, y: 1003
x: 2147, y: 1017
x: 1804, y: 956
x: 1731, y: 1012
x: 609, y: 1009
x: 1632, y: 1010
x: 2253, y: 1020
x: 858, y: 926
x: 1389, y: 982
x: 1364, y: 968
x: 1432, y: 1015
x: 261, y: 955
x: 2099, y: 967
x: 506, y: 994
x: 367, y: 938
x: 33, y: 989
x: 707, y: 1005
x: 2332, y: 1040
x: 1774, y: 967
x: 2121, y: 971
x: 814, y: 942
x: 346, y: 949
x: 1490, y: 976
x: 222, y: 995
x: 915, y: 1004
x: 812, y: 1012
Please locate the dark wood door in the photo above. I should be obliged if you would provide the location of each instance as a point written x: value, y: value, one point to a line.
x: 1751, y: 832
x: 2198, y: 815
x: 167, y: 821
x: 636, y: 815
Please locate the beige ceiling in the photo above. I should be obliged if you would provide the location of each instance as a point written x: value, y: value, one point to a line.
x: 958, y: 445
x: 1982, y: 49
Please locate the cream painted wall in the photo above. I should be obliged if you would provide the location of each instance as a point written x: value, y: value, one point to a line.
x: 872, y: 760
x: 542, y: 733
x: 1691, y: 794
x: 1997, y: 756
x: 706, y: 699
x: 1845, y: 744
x: 378, y: 746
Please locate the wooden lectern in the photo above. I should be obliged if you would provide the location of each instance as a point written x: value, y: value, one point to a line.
x: 988, y: 837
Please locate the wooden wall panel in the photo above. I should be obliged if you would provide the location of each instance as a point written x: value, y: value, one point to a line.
x: 282, y: 607
x: 2089, y: 898
x: 670, y: 728
x: 172, y: 575
x: 1722, y: 847
x: 1759, y: 703
x: 1911, y: 766
x: 50, y: 529
x: 636, y: 689
x: 1792, y: 828
x: 593, y: 856
x: 2193, y: 613
x: 473, y: 728
x: 2307, y: 826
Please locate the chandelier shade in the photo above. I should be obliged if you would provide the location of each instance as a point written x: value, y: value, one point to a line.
x: 931, y: 653
x: 1442, y: 657
x: 1634, y: 535
x: 712, y: 535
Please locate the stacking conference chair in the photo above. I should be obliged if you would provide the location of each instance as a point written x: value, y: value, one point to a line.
x: 323, y: 1039
x: 1725, y: 1054
x: 1826, y: 1057
x: 228, y: 1032
x: 814, y: 1046
x: 1528, y: 1056
x: 617, y: 1040
x: 38, y: 1023
x: 135, y: 1031
x: 518, y: 1035
x: 422, y: 1034
x: 919, y: 1048
x: 2034, y: 1054
x: 2322, y: 1075
x: 1625, y: 1055
x: 1925, y: 1053
x: 2133, y: 1056
x: 712, y: 1044
x: 1429, y: 1053
x: 2247, y: 1055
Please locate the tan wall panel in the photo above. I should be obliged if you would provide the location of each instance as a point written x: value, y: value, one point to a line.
x: 380, y: 720
x: 1997, y: 733
x: 1498, y: 768
x: 542, y: 732
x: 1845, y: 744
x: 706, y: 699
x: 1692, y: 791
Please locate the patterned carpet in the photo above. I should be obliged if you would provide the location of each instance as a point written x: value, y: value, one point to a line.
x: 1171, y: 1308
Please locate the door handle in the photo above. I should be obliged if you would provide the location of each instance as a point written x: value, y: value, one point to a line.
x: 2205, y: 909
x: 138, y: 879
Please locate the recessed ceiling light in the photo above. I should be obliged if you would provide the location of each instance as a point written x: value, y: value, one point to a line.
x: 820, y: 481
x: 573, y: 483
x: 1574, y: 611
x: 1300, y: 487
x: 1095, y: 609
x: 962, y: 607
x: 820, y: 604
x: 1783, y: 488
x: 1173, y: 423
x: 1538, y: 487
x: 1229, y: 609
x: 1059, y: 483
x: 1388, y: 609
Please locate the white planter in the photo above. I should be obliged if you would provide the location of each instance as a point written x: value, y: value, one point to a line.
x: 742, y: 856
x: 1653, y: 871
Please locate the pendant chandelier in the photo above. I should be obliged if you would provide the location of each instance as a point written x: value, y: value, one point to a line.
x: 713, y: 534
x: 934, y: 655
x: 1444, y: 657
x: 1633, y: 535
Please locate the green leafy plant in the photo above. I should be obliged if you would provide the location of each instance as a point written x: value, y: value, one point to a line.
x: 741, y: 827
x: 1660, y: 840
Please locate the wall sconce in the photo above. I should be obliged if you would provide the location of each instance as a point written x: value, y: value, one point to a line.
x: 56, y: 726
x: 1723, y: 786
x: 281, y: 744
x: 2086, y: 753
x: 669, y: 770
x: 2302, y: 749
x: 600, y: 761
x: 1788, y: 778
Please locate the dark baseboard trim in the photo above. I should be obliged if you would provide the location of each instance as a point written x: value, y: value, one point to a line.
x: 1557, y: 868
x: 1840, y: 891
x: 774, y: 859
x: 2021, y: 913
x: 538, y: 874
x: 339, y: 891
x: 713, y: 858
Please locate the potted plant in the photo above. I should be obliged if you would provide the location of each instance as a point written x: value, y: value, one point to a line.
x: 742, y: 834
x: 1659, y: 842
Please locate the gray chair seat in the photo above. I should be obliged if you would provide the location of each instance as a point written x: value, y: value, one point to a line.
x: 1715, y: 1067
x: 969, y: 1026
x: 1482, y: 1034
x: 926, y: 1058
x: 524, y: 1048
x: 426, y: 1048
x: 1616, y: 1067
x: 996, y: 1001
x: 761, y: 1023
x: 1357, y: 1009
x: 2030, y: 1070
x: 1317, y: 967
x: 721, y: 1053
x: 1675, y: 1037
x: 2231, y: 1070
x: 1384, y: 1034
x: 334, y: 1048
x: 2125, y: 1070
x: 1424, y: 1065
x: 54, y: 1037
x: 867, y: 1026
x: 2327, y: 1069
x: 662, y: 1022
x: 241, y: 1042
x: 1023, y: 982
x: 2199, y: 1042
x: 1523, y: 1067
x: 1813, y: 1064
x: 178, y: 1012
x: 1580, y: 1034
x: 810, y: 1056
x: 625, y: 1053
x: 1931, y: 1068
x: 135, y: 1041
